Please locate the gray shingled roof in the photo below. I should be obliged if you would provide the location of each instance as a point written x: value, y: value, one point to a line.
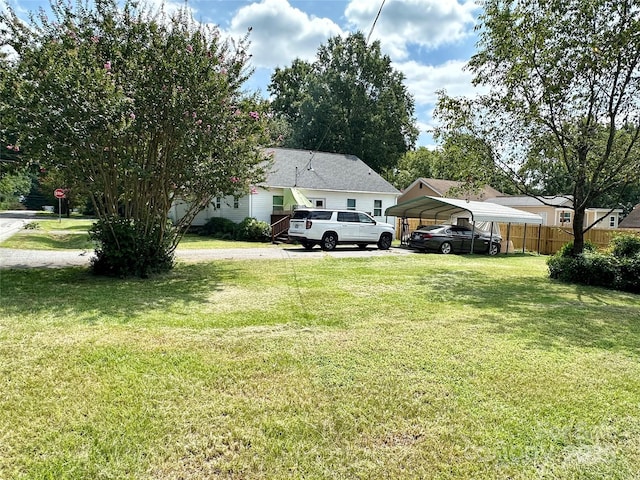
x: 442, y: 187
x: 324, y: 171
x: 632, y: 220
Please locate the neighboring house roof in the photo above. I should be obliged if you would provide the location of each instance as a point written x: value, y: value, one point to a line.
x: 442, y: 187
x: 526, y: 201
x: 324, y: 171
x: 632, y: 220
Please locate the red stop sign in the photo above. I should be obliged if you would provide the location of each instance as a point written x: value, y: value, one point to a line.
x: 58, y: 193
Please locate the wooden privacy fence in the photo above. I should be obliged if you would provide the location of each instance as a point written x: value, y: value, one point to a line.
x: 543, y: 239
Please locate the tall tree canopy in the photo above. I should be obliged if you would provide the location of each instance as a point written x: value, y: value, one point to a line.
x: 564, y: 97
x: 421, y: 162
x: 134, y: 109
x: 349, y: 100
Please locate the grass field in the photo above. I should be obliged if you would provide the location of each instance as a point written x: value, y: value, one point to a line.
x: 411, y: 367
x: 49, y: 233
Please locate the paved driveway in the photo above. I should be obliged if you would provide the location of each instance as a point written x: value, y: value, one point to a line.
x: 12, y: 222
x: 12, y: 258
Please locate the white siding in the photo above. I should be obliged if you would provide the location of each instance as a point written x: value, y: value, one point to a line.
x: 260, y: 205
x: 226, y: 210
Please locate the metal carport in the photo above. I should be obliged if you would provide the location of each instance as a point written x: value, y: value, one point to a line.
x: 441, y: 209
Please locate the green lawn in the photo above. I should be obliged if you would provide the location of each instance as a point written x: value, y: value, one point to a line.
x: 49, y: 233
x: 397, y: 367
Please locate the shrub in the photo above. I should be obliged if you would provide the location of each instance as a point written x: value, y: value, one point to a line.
x: 629, y: 274
x: 618, y: 269
x: 219, y: 228
x: 253, y: 230
x: 625, y: 245
x: 567, y: 249
x: 126, y: 249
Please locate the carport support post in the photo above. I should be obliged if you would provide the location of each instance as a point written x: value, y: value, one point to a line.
x: 473, y: 235
x: 490, y: 237
x: 524, y: 238
x: 508, y: 236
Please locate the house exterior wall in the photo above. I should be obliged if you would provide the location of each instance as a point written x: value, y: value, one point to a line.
x: 259, y: 205
x: 262, y: 201
x: 418, y: 190
x: 551, y: 216
x: 227, y: 210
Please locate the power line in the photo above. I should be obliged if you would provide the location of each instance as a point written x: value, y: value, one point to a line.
x: 313, y: 154
x: 375, y: 21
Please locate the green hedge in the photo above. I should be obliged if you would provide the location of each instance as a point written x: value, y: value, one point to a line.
x: 249, y: 230
x: 618, y: 268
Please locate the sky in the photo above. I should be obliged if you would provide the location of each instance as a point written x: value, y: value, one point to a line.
x: 429, y: 41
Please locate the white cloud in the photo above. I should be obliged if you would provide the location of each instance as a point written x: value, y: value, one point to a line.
x: 280, y: 33
x: 423, y: 81
x: 426, y: 24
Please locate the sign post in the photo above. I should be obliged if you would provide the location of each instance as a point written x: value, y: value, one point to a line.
x: 59, y: 194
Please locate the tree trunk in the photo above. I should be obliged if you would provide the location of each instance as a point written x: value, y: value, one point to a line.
x: 578, y: 231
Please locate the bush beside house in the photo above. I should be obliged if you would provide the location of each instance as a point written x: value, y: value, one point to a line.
x: 249, y: 230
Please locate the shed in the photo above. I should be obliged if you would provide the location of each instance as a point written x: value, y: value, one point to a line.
x: 441, y: 209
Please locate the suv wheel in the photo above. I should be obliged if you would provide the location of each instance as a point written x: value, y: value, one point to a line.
x: 385, y: 241
x: 494, y: 249
x: 329, y: 241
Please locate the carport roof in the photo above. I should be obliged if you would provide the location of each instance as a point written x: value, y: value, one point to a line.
x: 436, y: 208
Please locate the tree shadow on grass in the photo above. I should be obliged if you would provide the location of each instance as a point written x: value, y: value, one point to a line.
x: 73, y: 295
x: 54, y: 241
x: 550, y: 314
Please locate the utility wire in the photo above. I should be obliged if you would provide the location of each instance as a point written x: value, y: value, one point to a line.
x: 313, y: 154
x: 375, y: 21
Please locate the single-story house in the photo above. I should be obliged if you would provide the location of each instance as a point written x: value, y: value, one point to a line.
x: 435, y: 187
x: 305, y: 178
x: 557, y: 211
x: 632, y: 220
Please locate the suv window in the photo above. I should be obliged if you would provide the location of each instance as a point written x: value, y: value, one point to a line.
x: 364, y: 218
x: 348, y: 217
x: 322, y: 215
x: 314, y: 215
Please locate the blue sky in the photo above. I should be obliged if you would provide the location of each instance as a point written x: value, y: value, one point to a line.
x: 429, y: 41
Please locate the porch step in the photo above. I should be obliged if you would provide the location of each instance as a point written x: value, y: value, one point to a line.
x: 282, y: 238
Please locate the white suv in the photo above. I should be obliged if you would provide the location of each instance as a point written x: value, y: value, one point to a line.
x: 329, y: 228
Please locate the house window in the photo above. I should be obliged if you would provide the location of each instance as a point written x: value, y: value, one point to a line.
x: 351, y: 203
x: 236, y: 202
x: 218, y: 200
x: 612, y: 221
x: 377, y: 208
x: 317, y: 202
x: 565, y: 217
x: 278, y: 203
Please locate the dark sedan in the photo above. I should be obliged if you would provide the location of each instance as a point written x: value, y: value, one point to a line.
x: 453, y: 239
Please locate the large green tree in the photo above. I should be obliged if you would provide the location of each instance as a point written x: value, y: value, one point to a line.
x: 421, y: 162
x: 564, y: 97
x: 15, y: 180
x: 134, y: 109
x: 349, y: 100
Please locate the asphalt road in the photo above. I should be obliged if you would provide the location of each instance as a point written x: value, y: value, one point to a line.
x: 12, y: 222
